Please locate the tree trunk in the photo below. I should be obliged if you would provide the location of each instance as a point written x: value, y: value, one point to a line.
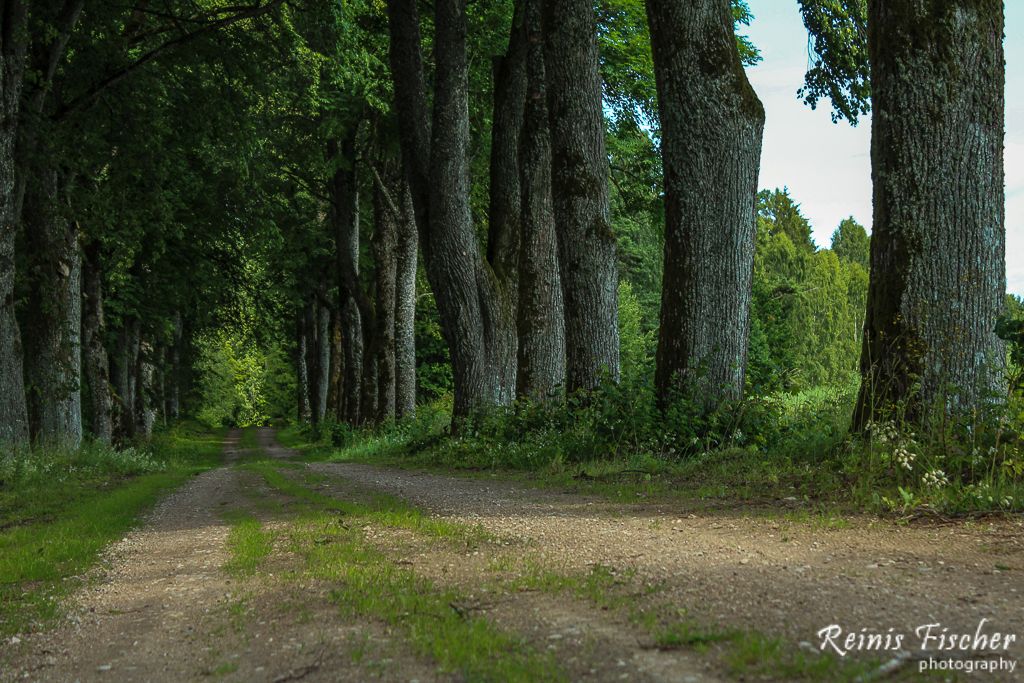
x: 127, y: 360
x: 323, y: 359
x: 144, y: 412
x: 334, y: 403
x: 438, y: 173
x: 174, y: 370
x: 357, y: 321
x: 13, y: 408
x: 94, y: 352
x: 53, y: 358
x: 712, y: 122
x: 302, y: 369
x: 938, y: 270
x: 309, y: 330
x: 504, y: 214
x: 586, y: 245
x: 540, y: 317
x: 405, y: 308
x: 385, y: 244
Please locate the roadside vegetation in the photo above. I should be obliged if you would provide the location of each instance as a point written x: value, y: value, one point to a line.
x: 782, y: 446
x: 60, y: 507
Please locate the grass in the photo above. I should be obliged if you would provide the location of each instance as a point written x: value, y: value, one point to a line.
x: 367, y: 584
x: 249, y: 544
x: 380, y: 508
x: 743, y: 654
x: 59, y: 509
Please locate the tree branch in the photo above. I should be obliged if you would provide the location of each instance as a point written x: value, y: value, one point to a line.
x: 87, y: 99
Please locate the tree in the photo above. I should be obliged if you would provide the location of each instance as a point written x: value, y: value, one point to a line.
x: 435, y: 158
x: 586, y: 244
x: 938, y: 277
x: 541, y: 327
x: 712, y: 123
x: 851, y: 243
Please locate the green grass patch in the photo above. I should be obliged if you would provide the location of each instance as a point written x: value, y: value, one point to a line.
x: 379, y: 508
x: 368, y: 584
x: 59, y: 509
x: 249, y: 544
x: 758, y: 657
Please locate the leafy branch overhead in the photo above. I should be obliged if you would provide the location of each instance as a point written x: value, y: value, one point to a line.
x: 838, y: 68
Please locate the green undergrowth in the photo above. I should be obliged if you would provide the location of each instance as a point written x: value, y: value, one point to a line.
x: 794, y: 448
x: 59, y: 508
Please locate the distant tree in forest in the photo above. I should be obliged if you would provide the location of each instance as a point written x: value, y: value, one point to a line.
x: 851, y: 243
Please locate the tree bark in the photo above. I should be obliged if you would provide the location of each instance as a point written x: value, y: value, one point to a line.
x: 586, y: 245
x: 144, y: 411
x: 94, y: 352
x: 126, y: 362
x: 14, y: 427
x: 310, y: 330
x: 334, y: 402
x: 302, y: 368
x: 385, y: 244
x: 174, y: 370
x: 504, y: 211
x: 53, y: 358
x: 540, y: 316
x: 712, y: 124
x: 323, y: 359
x: 357, y: 317
x: 405, y: 308
x: 435, y: 156
x: 938, y: 271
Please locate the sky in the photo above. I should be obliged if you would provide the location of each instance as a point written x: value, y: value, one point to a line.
x: 827, y: 166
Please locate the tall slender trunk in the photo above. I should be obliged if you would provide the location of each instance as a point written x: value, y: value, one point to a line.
x: 504, y: 214
x: 435, y: 155
x: 385, y: 244
x: 369, y: 394
x: 53, y: 358
x: 323, y: 359
x: 356, y: 315
x: 145, y: 373
x: 586, y: 244
x: 302, y: 368
x: 405, y: 308
x: 174, y: 370
x: 712, y: 122
x: 94, y: 352
x: 334, y: 403
x: 352, y: 345
x: 125, y: 374
x: 938, y: 269
x: 310, y: 329
x: 541, y: 323
x: 13, y: 38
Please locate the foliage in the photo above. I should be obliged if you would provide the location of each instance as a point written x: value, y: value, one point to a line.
x: 808, y: 303
x: 839, y: 70
x: 59, y: 508
x: 242, y: 384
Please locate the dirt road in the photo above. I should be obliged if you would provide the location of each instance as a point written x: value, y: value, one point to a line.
x: 597, y: 590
